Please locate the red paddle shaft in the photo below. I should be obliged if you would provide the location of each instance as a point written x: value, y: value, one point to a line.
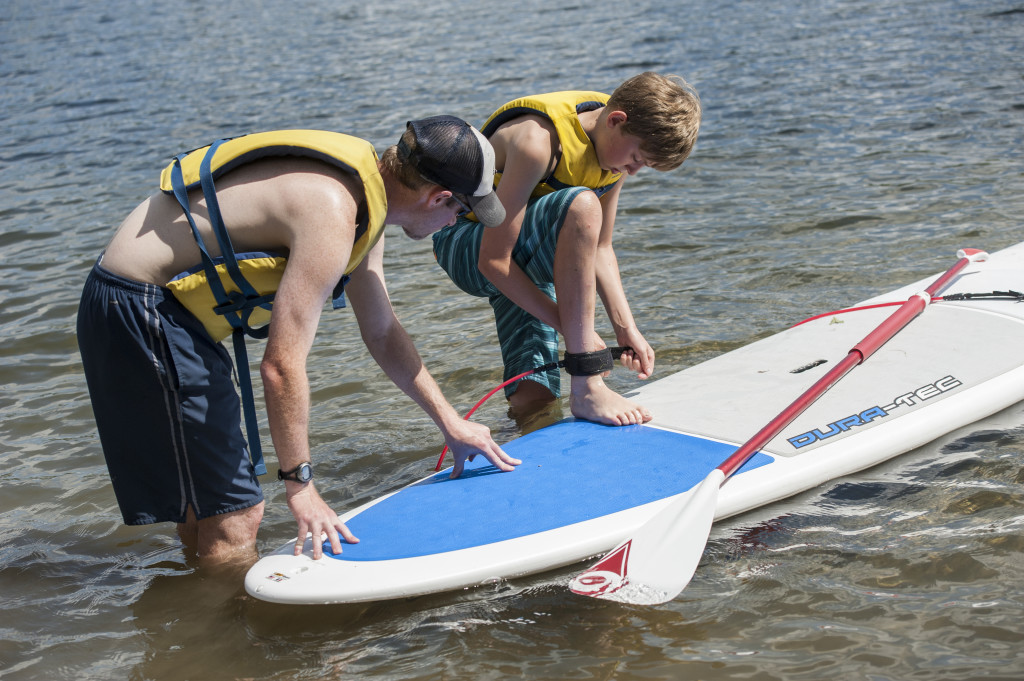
x: 860, y: 352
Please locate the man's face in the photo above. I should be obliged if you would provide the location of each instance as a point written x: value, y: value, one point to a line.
x: 440, y: 212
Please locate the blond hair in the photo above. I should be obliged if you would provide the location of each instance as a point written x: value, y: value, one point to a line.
x: 401, y: 170
x: 664, y: 112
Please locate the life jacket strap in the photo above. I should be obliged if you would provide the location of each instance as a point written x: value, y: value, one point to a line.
x: 235, y: 306
x: 252, y: 427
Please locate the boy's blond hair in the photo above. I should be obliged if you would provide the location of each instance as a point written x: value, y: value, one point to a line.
x: 664, y: 112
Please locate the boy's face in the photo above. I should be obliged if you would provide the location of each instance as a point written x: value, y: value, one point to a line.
x: 620, y: 152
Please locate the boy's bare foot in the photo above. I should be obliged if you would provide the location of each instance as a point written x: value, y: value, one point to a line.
x: 592, y: 400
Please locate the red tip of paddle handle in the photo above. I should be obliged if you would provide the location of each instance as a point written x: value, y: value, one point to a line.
x: 972, y: 254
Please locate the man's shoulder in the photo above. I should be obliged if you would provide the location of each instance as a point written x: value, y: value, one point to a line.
x: 317, y: 185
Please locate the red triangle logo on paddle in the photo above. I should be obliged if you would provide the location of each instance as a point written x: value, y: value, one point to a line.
x: 615, y: 561
x: 606, y: 577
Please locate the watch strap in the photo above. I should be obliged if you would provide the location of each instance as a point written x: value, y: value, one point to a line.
x: 293, y: 474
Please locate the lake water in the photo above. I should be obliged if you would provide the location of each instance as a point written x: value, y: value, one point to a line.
x: 847, y: 148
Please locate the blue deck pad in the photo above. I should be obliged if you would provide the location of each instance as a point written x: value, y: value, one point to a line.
x: 572, y: 471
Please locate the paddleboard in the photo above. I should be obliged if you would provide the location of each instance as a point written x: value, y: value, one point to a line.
x: 583, y: 488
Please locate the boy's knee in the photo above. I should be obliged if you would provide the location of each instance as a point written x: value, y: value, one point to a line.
x: 585, y: 204
x: 584, y: 219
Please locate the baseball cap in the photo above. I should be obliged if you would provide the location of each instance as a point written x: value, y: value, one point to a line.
x: 453, y: 154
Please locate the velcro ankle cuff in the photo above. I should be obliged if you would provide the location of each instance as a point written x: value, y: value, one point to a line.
x: 588, y: 363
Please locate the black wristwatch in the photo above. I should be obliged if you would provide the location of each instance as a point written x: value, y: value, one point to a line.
x: 301, y: 473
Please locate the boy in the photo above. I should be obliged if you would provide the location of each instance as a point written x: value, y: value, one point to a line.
x: 295, y: 214
x: 562, y: 159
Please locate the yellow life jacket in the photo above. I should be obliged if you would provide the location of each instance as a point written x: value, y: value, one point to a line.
x: 231, y: 293
x: 248, y: 309
x: 577, y: 163
x: 192, y: 289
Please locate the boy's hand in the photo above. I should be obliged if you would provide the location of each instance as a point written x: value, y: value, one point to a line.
x: 640, y: 358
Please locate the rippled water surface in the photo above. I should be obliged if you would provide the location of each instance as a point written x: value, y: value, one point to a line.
x: 847, y: 148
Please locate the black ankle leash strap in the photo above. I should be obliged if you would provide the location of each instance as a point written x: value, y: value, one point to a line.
x: 591, y: 363
x: 570, y: 359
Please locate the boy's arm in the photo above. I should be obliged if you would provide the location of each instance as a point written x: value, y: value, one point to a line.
x: 528, y: 146
x: 393, y: 349
x: 609, y: 287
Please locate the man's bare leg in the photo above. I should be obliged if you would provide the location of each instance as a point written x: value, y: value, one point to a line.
x: 224, y: 538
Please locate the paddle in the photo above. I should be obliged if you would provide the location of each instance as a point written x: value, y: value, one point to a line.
x: 659, y: 560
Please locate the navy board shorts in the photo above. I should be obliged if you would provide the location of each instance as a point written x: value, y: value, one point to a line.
x: 526, y: 342
x: 164, y: 399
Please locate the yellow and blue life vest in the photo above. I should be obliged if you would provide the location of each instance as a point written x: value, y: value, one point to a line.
x: 577, y: 163
x: 234, y: 293
x: 228, y: 302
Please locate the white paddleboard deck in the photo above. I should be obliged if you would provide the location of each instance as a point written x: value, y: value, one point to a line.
x: 583, y: 488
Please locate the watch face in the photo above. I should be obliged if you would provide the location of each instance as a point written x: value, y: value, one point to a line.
x: 305, y: 473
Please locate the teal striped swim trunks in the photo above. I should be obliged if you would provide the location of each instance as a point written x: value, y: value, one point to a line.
x: 526, y: 342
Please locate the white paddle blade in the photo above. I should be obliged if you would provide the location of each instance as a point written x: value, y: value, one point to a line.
x: 659, y: 560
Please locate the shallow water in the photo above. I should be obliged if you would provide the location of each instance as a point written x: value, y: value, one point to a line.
x: 847, y: 148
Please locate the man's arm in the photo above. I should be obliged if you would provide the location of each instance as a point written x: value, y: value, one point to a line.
x: 393, y: 349
x: 319, y: 235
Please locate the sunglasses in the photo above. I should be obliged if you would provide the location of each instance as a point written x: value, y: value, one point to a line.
x: 465, y: 208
